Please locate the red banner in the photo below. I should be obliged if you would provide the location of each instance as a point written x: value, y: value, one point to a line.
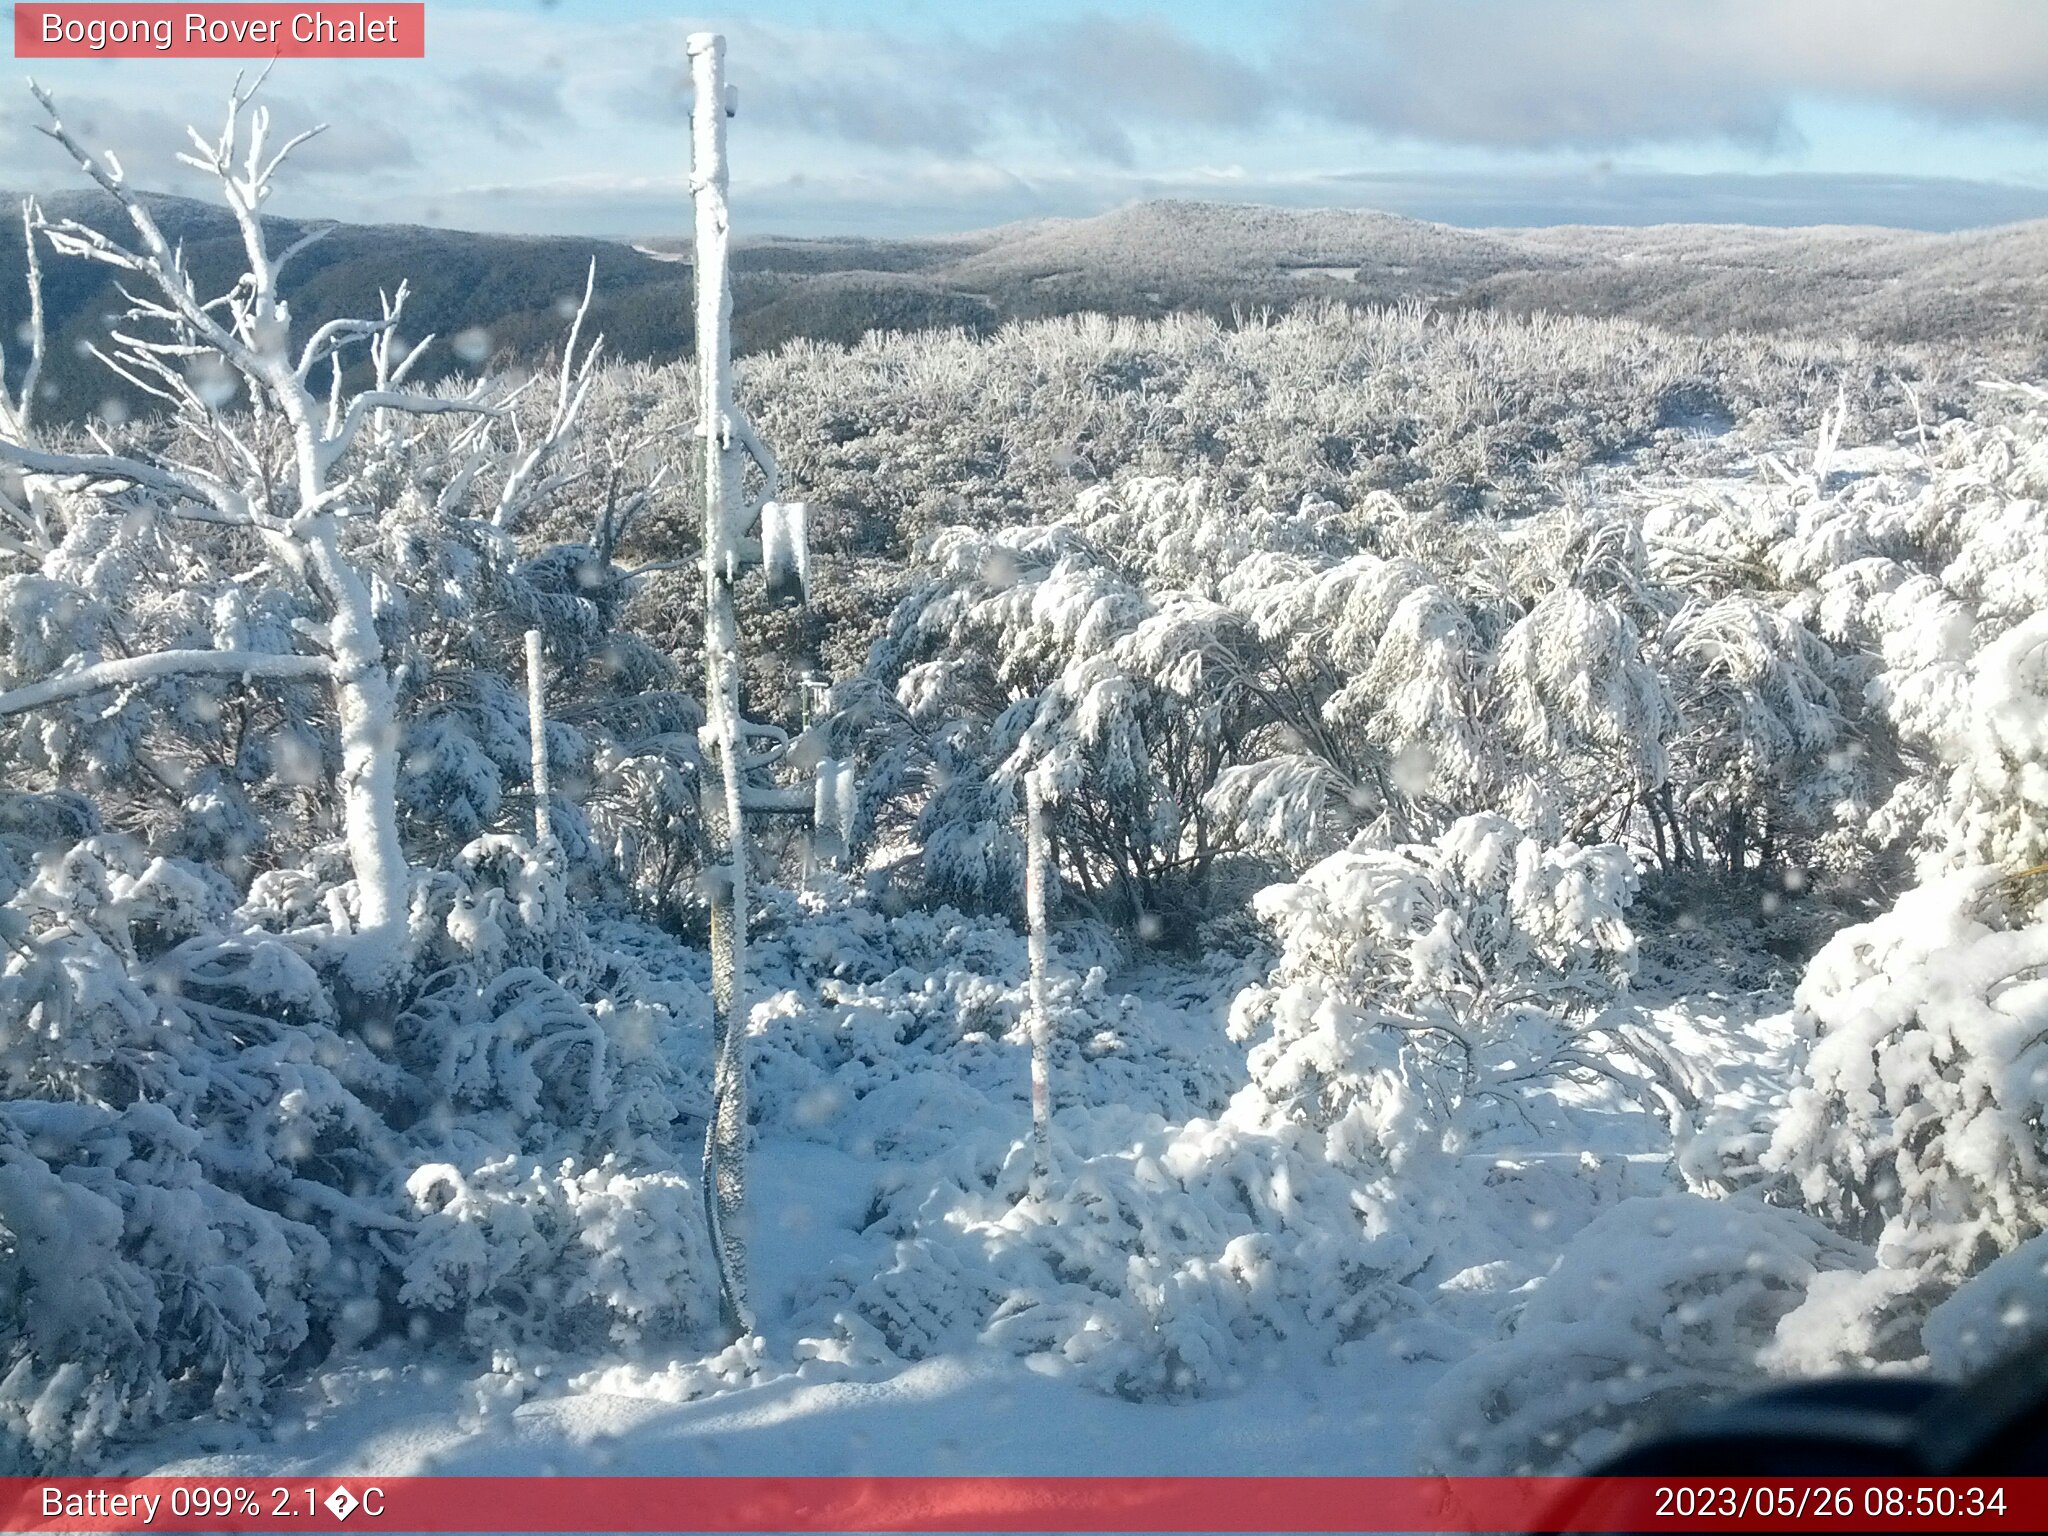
x: 1063, y: 1504
x: 216, y: 31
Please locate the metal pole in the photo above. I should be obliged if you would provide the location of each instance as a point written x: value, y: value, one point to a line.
x: 725, y: 1138
x: 537, y: 733
x: 1037, y: 945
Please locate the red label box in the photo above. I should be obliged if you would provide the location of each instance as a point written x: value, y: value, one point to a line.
x: 364, y: 29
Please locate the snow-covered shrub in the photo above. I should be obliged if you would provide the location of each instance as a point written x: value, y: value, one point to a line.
x: 137, y: 1285
x: 1220, y: 686
x: 1943, y: 591
x: 1995, y: 806
x: 1992, y: 1317
x: 1917, y: 1121
x: 1581, y: 700
x: 1759, y: 697
x: 1028, y: 647
x: 275, y: 934
x: 568, y: 1257
x: 905, y: 434
x: 1375, y: 681
x: 1656, y: 1307
x: 1413, y: 980
x: 1167, y: 1270
x: 1220, y: 689
x: 1166, y: 1267
x: 892, y: 1034
x: 185, y: 1122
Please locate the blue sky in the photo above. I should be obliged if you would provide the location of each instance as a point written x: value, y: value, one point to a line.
x: 912, y: 116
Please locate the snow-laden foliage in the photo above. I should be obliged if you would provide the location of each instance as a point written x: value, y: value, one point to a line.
x: 1166, y: 1267
x: 1381, y: 661
x: 304, y: 1037
x: 1765, y: 717
x: 901, y: 434
x: 1918, y: 1121
x: 1132, y: 705
x: 1190, y: 1227
x: 572, y: 1256
x: 1994, y: 1317
x: 238, y: 774
x: 1655, y: 1307
x: 211, y: 1165
x: 1415, y: 981
x: 1215, y: 685
x: 1914, y: 1120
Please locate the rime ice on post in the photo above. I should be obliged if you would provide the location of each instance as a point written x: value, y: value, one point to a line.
x: 537, y: 735
x: 1036, y: 862
x: 832, y: 811
x: 726, y: 438
x: 785, y: 550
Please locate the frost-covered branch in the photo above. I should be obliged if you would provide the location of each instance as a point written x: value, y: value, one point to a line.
x: 359, y: 409
x: 743, y: 432
x: 17, y: 413
x: 88, y: 468
x: 158, y: 259
x: 129, y: 670
x: 523, y: 486
x: 330, y: 338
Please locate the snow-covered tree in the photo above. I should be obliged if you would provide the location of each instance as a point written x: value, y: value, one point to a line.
x: 1030, y: 653
x: 1378, y: 677
x: 285, y: 477
x: 302, y: 1038
x: 1762, y: 728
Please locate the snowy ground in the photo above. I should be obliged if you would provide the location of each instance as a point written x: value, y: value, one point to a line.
x: 971, y: 1410
x: 890, y: 1075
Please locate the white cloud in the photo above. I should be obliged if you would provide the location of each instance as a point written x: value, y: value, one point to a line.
x: 850, y: 124
x: 1587, y: 74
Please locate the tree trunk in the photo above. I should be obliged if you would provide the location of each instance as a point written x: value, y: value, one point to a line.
x: 366, y: 714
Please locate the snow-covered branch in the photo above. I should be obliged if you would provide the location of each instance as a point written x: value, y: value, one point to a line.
x: 189, y: 486
x: 523, y: 486
x: 127, y: 671
x: 16, y: 414
x: 158, y: 260
x: 332, y: 447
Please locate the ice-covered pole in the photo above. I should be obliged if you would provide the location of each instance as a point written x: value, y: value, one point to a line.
x: 537, y: 740
x: 725, y: 1137
x: 1036, y: 861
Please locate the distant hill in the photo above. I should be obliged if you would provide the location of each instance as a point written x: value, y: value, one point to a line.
x: 1186, y: 246
x: 507, y: 288
x: 1985, y: 286
x: 503, y: 294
